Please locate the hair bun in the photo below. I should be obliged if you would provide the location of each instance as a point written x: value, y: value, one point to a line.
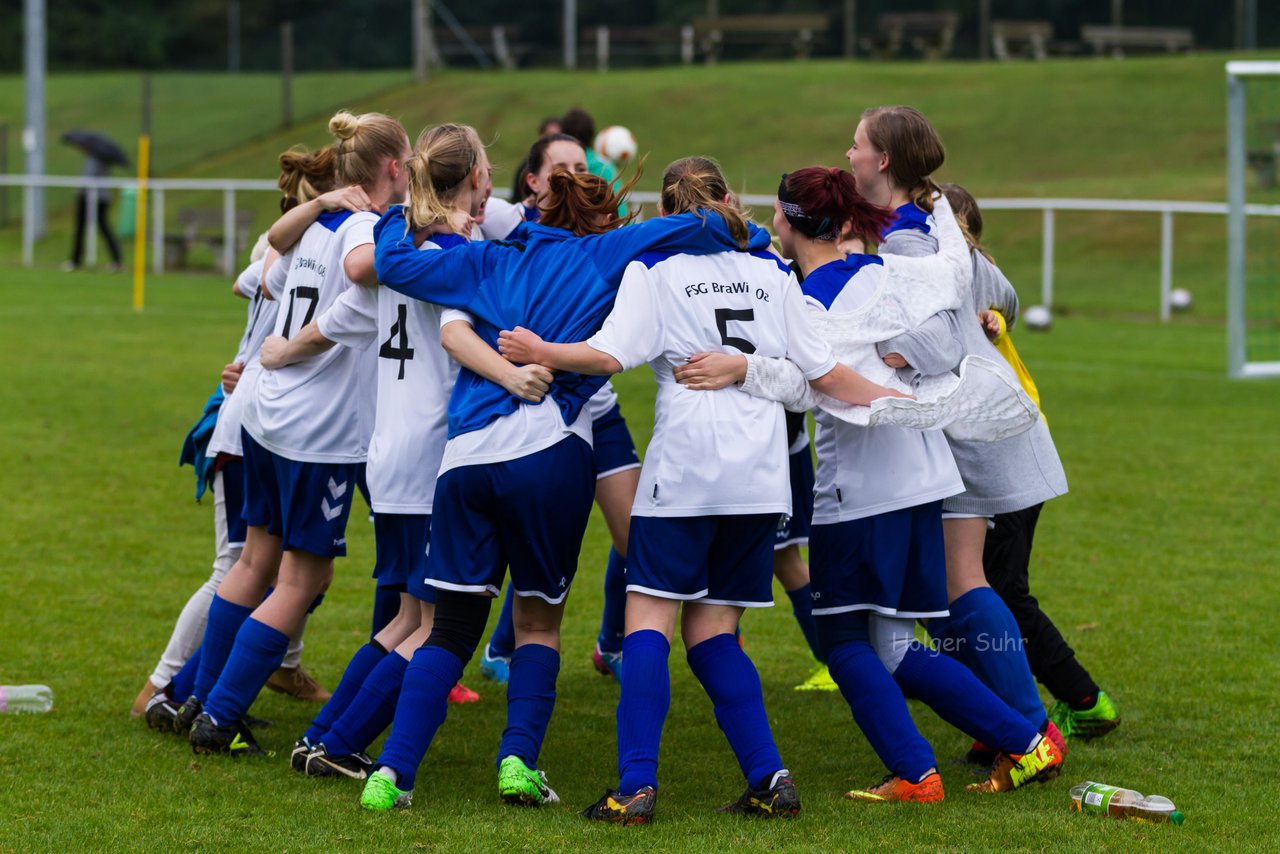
x: 344, y: 125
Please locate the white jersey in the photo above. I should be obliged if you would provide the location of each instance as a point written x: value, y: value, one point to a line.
x: 311, y: 411
x: 500, y: 219
x: 712, y: 452
x: 866, y: 471
x: 261, y: 320
x: 531, y: 428
x: 415, y: 376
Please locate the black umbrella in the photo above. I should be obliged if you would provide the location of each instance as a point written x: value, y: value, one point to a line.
x: 96, y: 145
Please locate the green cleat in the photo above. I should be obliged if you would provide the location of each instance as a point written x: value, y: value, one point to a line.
x: 520, y: 784
x: 819, y: 680
x: 381, y: 794
x: 1094, y: 722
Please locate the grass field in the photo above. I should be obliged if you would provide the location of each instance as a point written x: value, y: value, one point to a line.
x: 1157, y: 565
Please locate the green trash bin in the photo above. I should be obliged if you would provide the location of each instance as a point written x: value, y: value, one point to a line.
x: 127, y: 213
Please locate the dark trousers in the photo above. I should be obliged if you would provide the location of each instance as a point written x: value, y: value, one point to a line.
x: 104, y: 226
x: 1006, y: 559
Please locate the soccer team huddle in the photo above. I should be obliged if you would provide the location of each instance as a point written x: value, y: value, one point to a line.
x: 447, y: 353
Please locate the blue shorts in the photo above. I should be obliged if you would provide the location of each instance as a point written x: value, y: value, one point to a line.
x: 529, y: 514
x: 232, y: 472
x: 717, y: 560
x: 893, y: 564
x: 613, y: 449
x: 305, y: 504
x: 793, y: 530
x: 402, y: 541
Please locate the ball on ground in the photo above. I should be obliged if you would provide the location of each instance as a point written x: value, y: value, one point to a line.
x: 616, y: 143
x: 1037, y: 317
x: 1180, y: 299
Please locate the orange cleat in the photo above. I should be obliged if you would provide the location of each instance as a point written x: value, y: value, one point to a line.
x: 893, y: 788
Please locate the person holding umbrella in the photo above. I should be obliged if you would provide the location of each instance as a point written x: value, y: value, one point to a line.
x: 101, y: 153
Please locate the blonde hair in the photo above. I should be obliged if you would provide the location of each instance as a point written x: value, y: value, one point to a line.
x: 915, y: 150
x: 305, y: 174
x: 694, y: 185
x: 442, y: 159
x: 363, y: 143
x: 968, y: 217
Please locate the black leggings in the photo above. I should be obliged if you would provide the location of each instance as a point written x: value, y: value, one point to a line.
x: 1006, y: 559
x: 459, y: 622
x: 104, y: 225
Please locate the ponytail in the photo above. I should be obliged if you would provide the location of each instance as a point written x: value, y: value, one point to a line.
x: 305, y: 175
x: 824, y: 204
x: 442, y: 160
x: 363, y: 143
x: 915, y: 150
x: 696, y: 185
x: 582, y: 202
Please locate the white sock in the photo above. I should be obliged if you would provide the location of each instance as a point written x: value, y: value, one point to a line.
x: 390, y: 773
x: 778, y: 775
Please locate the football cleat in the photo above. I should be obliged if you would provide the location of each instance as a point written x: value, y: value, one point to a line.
x: 893, y: 788
x: 299, y: 753
x: 323, y: 764
x: 607, y: 663
x: 624, y: 809
x: 520, y: 784
x: 1010, y: 772
x: 299, y: 684
x: 779, y: 800
x: 187, y: 715
x: 236, y: 740
x: 460, y: 693
x: 819, y: 680
x: 382, y: 795
x: 161, y: 712
x: 495, y: 667
x: 1094, y: 722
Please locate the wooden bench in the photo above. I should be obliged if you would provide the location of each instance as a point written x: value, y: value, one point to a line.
x: 663, y: 45
x: 931, y: 34
x: 1010, y: 39
x: 1116, y: 40
x: 800, y: 31
x: 203, y: 227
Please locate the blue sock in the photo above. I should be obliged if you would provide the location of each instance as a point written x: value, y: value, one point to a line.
x: 502, y: 643
x: 184, y: 680
x: 880, y: 710
x: 943, y: 633
x: 371, y: 710
x: 956, y: 695
x: 613, y: 617
x: 802, y: 606
x: 642, y: 709
x: 531, y: 697
x: 358, y: 669
x: 386, y: 604
x: 421, y: 709
x: 225, y: 620
x: 258, y: 652
x: 731, y: 681
x: 993, y: 650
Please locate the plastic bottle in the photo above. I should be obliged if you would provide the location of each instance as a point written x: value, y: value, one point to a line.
x: 26, y: 698
x: 1123, y: 803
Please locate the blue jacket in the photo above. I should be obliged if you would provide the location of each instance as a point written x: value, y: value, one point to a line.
x: 545, y: 279
x: 197, y: 442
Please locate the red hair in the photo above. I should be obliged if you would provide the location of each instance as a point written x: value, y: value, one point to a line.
x: 832, y: 193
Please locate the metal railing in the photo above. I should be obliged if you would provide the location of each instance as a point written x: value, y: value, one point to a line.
x: 157, y: 187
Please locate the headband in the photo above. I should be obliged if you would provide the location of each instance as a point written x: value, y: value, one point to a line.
x: 812, y: 227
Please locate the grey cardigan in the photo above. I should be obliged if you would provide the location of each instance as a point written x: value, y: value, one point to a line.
x: 999, y: 477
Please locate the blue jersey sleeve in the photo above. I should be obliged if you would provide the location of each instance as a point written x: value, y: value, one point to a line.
x: 447, y: 277
x: 686, y: 233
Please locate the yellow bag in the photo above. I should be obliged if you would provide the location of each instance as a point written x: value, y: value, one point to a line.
x: 1004, y: 343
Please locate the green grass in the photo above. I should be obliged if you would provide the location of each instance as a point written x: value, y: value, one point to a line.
x: 1157, y: 566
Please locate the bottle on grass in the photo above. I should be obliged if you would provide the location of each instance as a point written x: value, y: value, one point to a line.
x: 1123, y: 803
x: 33, y: 699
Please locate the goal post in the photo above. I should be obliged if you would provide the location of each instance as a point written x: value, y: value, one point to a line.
x: 1253, y: 245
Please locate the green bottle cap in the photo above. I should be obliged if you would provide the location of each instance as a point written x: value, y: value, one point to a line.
x: 1177, y: 818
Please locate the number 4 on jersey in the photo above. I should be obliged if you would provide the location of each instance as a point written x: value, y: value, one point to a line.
x: 400, y: 350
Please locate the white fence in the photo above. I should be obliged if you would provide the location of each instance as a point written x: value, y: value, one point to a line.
x: 157, y: 187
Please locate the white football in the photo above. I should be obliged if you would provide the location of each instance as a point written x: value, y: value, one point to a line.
x: 1037, y: 317
x: 616, y: 143
x: 1180, y: 299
